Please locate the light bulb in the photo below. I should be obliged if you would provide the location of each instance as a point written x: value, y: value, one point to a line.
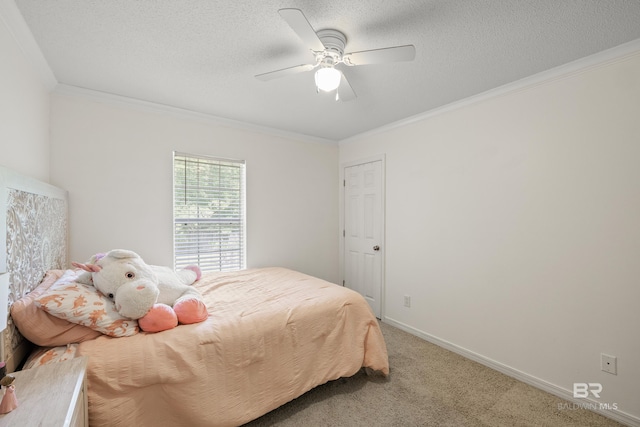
x: 328, y: 79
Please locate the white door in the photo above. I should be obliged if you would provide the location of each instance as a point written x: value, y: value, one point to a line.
x: 363, y: 231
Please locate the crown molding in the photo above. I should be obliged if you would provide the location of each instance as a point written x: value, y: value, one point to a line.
x: 600, y: 59
x: 12, y: 18
x: 152, y: 107
x: 15, y: 23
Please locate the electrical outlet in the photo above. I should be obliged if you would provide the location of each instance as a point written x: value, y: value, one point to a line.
x: 407, y: 301
x: 609, y: 363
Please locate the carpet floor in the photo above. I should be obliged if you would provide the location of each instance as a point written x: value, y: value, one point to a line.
x: 429, y: 386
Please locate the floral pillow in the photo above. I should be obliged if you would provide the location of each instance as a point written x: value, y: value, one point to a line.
x: 84, y: 305
x: 47, y: 355
x: 40, y: 327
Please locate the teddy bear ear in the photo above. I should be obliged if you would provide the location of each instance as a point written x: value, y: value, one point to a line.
x: 122, y: 253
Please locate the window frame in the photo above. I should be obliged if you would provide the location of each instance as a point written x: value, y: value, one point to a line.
x: 205, y: 230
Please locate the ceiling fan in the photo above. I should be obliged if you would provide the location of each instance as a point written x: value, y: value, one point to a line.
x: 328, y: 48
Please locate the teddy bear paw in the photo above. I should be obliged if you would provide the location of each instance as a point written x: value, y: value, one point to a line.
x: 160, y: 318
x: 190, y: 310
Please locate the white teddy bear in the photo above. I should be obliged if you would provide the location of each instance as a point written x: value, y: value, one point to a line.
x: 158, y: 297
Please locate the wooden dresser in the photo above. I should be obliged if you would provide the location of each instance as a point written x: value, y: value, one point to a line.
x: 52, y: 395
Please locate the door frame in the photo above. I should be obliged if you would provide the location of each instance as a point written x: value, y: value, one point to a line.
x: 341, y: 207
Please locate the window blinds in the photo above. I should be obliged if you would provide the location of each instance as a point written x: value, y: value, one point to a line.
x: 209, y: 212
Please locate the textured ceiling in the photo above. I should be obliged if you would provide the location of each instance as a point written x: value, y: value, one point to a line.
x: 202, y: 55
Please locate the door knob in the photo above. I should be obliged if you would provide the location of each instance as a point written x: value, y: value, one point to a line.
x: 376, y: 248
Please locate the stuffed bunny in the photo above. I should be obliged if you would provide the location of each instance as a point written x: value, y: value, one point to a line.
x: 158, y: 297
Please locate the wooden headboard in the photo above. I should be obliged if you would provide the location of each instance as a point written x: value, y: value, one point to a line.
x: 34, y: 231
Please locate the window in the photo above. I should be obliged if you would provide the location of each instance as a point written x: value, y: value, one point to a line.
x: 209, y: 212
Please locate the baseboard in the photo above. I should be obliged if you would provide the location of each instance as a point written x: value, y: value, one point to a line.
x: 592, y: 405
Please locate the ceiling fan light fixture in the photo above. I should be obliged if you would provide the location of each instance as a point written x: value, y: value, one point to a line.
x: 328, y: 79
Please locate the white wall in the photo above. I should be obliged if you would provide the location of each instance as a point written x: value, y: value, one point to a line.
x: 24, y: 112
x: 116, y: 163
x: 514, y: 225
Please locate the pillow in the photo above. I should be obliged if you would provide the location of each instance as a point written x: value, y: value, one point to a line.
x: 84, y: 305
x: 40, y: 327
x: 46, y: 355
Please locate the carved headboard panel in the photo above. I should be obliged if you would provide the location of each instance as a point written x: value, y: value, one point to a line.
x: 33, y: 229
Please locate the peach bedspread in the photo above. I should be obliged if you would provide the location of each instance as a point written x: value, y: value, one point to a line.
x: 272, y: 334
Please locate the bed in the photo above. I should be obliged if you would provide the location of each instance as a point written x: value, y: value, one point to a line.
x: 272, y: 335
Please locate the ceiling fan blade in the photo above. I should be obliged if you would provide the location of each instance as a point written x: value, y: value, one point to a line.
x: 345, y: 91
x: 284, y: 72
x: 298, y: 23
x: 378, y: 56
